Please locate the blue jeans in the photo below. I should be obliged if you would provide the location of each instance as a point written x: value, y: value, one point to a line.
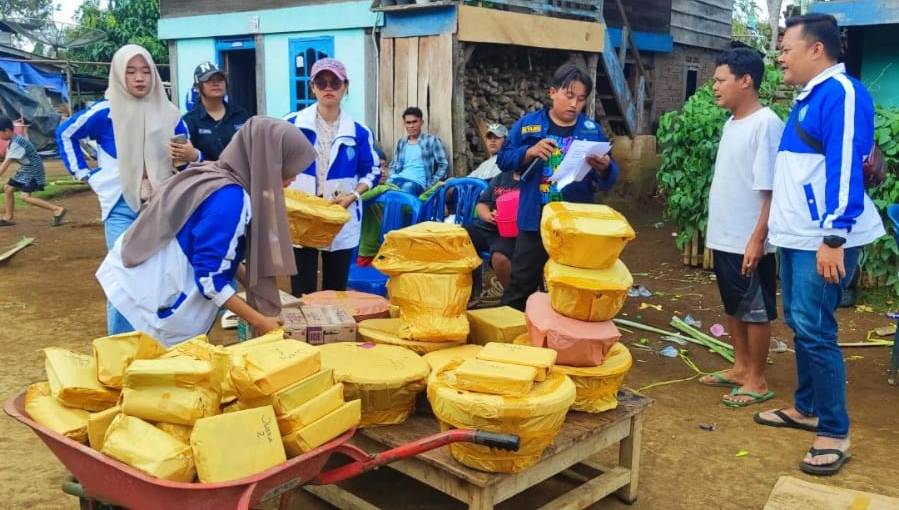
x: 809, y: 306
x: 411, y: 187
x: 116, y: 223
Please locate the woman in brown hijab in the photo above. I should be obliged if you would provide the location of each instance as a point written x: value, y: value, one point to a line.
x: 172, y: 270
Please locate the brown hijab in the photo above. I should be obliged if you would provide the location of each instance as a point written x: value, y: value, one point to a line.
x: 260, y: 156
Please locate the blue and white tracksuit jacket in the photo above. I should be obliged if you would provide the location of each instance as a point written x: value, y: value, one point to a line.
x: 95, y: 124
x: 814, y: 194
x: 177, y: 292
x: 353, y: 161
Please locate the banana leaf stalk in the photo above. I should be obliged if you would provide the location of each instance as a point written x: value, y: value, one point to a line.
x: 724, y: 350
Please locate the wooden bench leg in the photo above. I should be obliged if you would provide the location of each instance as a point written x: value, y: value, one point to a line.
x: 629, y: 457
x: 481, y: 498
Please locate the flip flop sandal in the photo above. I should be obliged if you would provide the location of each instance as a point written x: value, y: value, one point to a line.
x: 757, y: 398
x: 720, y: 381
x: 57, y: 219
x: 828, y: 469
x: 787, y: 422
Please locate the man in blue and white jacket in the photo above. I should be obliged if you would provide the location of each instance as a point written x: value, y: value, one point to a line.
x: 820, y: 219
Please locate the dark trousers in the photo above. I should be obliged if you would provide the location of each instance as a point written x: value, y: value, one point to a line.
x: 527, y: 269
x: 335, y: 270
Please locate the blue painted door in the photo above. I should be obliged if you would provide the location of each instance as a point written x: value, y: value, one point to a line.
x: 303, y: 53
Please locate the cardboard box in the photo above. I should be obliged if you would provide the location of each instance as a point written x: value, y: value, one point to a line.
x: 319, y: 324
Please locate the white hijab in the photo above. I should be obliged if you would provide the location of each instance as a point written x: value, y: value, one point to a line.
x: 142, y: 126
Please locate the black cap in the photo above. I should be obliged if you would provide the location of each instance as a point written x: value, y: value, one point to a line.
x: 205, y: 71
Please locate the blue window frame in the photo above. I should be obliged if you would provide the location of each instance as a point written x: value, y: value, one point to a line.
x: 303, y: 53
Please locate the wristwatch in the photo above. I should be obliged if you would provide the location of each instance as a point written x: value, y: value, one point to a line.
x: 834, y: 241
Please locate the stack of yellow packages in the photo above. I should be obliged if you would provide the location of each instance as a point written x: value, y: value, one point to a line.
x: 504, y: 388
x: 313, y: 221
x: 429, y: 265
x: 385, y: 378
x: 587, y: 286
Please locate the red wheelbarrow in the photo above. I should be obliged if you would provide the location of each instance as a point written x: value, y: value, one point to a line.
x: 103, y: 479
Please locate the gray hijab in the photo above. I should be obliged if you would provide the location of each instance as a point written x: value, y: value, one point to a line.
x: 260, y: 156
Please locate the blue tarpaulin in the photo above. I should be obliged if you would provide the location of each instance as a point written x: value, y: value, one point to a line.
x: 24, y: 75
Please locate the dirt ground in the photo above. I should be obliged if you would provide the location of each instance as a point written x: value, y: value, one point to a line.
x: 49, y: 297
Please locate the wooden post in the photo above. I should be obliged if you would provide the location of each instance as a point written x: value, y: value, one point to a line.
x: 386, y: 117
x: 706, y: 258
x: 687, y: 253
x: 592, y: 65
x: 461, y: 54
x: 694, y: 250
x: 260, y: 75
x: 622, y: 50
x: 173, y: 72
x: 629, y: 457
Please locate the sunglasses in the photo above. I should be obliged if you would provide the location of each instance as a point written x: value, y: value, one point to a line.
x: 327, y: 83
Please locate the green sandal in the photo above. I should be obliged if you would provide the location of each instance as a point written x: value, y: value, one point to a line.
x: 720, y: 381
x: 757, y: 398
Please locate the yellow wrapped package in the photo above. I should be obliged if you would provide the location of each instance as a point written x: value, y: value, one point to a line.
x: 315, y: 408
x: 386, y: 331
x: 199, y: 348
x: 427, y: 247
x: 303, y: 391
x: 243, y: 405
x: 314, y: 221
x: 538, y: 357
x: 592, y: 295
x: 236, y: 445
x: 432, y: 306
x: 500, y: 324
x: 439, y: 359
x: 597, y: 387
x: 588, y: 236
x: 328, y: 427
x: 73, y: 380
x: 394, y: 311
x: 171, y: 404
x: 536, y: 418
x: 385, y: 377
x: 495, y: 378
x: 177, y: 390
x: 273, y: 366
x: 179, y: 432
x: 148, y: 449
x: 98, y: 423
x: 43, y: 408
x: 114, y: 354
x: 238, y: 349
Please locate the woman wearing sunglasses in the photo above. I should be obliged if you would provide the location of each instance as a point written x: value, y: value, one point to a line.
x: 345, y: 167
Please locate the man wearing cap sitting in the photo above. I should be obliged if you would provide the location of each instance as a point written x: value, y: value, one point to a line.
x: 212, y: 122
x: 496, y: 136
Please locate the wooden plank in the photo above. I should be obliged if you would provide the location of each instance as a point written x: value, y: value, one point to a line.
x: 371, y: 82
x: 478, y: 24
x: 400, y: 85
x: 173, y: 72
x: 385, y: 97
x: 412, y: 73
x: 340, y: 498
x: 16, y: 248
x: 591, y: 491
x: 560, y: 460
x: 644, y: 16
x: 629, y: 457
x: 425, y: 57
x: 791, y: 493
x: 260, y: 75
x: 440, y: 91
x: 592, y: 65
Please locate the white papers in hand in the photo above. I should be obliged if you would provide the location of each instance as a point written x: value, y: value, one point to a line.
x: 574, y: 165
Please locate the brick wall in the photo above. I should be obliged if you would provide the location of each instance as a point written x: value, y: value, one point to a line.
x: 669, y: 77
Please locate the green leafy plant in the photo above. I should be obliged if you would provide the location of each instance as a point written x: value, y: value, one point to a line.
x: 689, y: 140
x: 880, y: 260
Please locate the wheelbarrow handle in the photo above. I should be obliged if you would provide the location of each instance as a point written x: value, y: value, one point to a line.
x: 363, y: 462
x: 508, y: 442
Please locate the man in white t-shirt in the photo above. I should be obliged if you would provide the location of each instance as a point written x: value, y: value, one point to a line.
x: 739, y: 202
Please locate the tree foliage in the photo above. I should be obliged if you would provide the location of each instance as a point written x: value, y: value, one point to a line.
x: 123, y: 22
x: 34, y: 9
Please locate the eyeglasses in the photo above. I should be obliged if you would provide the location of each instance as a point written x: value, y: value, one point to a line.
x: 327, y: 83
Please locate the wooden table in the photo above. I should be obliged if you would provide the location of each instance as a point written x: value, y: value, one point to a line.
x: 582, y: 436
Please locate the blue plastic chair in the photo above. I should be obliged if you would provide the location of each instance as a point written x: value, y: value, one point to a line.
x: 467, y: 190
x: 893, y: 214
x: 400, y: 210
x: 429, y: 210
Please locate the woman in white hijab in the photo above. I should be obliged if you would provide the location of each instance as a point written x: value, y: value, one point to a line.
x: 131, y: 128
